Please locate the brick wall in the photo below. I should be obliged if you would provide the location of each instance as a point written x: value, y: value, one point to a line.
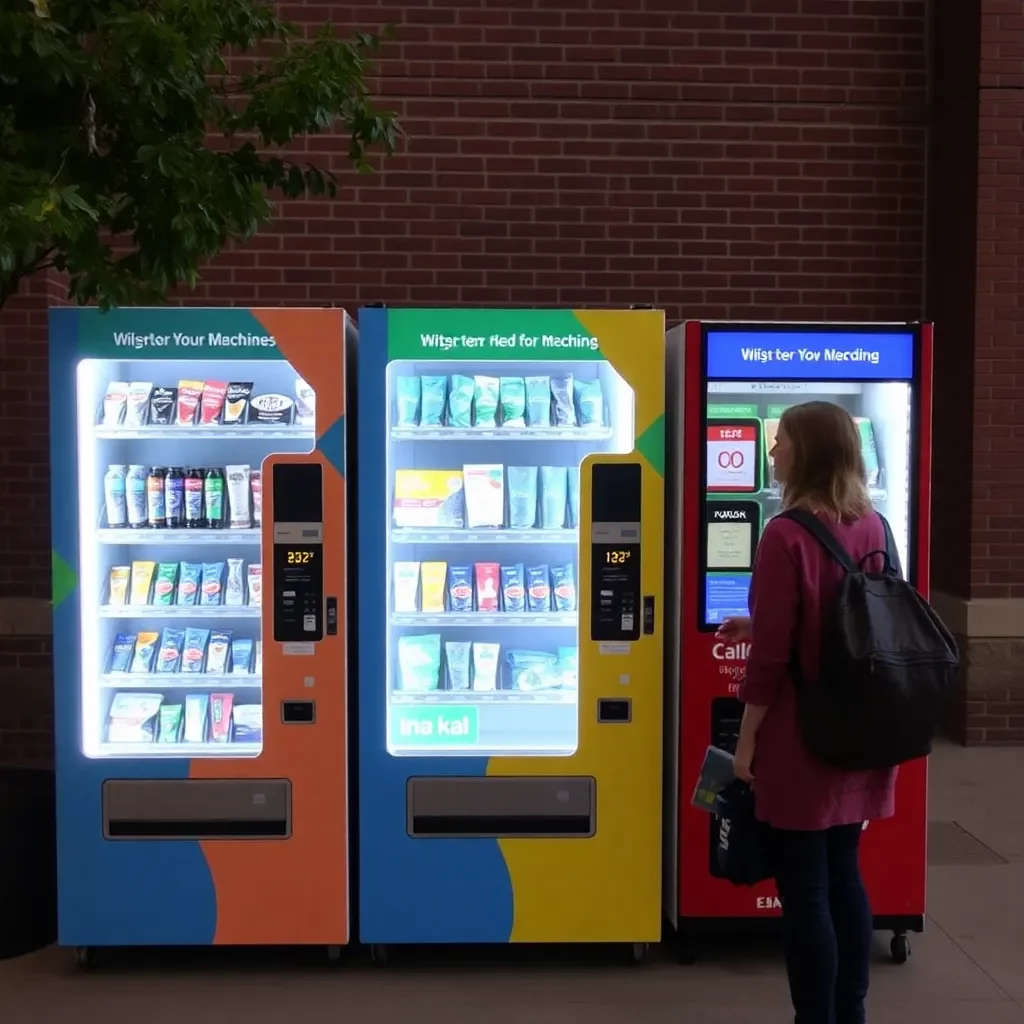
x: 687, y: 153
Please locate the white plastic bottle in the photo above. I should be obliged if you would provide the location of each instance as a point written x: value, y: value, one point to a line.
x: 114, y: 495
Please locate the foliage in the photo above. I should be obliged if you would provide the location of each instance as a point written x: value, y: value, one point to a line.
x: 138, y: 137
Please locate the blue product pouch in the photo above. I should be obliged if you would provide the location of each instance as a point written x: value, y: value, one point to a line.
x: 435, y: 393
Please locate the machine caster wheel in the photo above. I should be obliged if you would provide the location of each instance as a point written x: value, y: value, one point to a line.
x: 379, y: 954
x: 639, y: 952
x: 333, y: 954
x: 899, y: 948
x: 85, y: 957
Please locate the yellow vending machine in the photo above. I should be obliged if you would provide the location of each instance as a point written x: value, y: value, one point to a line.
x: 511, y: 570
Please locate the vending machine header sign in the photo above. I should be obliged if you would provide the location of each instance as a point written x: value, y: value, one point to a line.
x: 809, y: 355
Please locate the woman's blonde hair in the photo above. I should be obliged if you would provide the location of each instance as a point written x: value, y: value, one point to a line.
x: 827, y: 472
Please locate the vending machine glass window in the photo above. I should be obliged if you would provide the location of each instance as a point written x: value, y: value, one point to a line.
x: 170, y: 499
x: 754, y: 373
x: 483, y: 466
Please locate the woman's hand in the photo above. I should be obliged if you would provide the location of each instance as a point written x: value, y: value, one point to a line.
x: 743, y: 762
x: 736, y: 629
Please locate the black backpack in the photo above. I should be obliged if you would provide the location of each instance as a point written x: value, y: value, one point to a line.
x: 887, y: 665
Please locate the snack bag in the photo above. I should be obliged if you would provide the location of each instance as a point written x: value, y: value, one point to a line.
x: 432, y: 401
x: 169, y: 657
x: 485, y: 400
x: 460, y: 401
x: 513, y: 401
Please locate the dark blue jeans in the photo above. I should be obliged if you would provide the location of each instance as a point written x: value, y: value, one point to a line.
x: 827, y: 923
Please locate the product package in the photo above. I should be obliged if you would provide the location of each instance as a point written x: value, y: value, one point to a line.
x: 419, y: 662
x: 258, y: 656
x: 589, y: 402
x: 248, y: 723
x: 137, y: 408
x: 407, y: 585
x: 168, y: 658
x: 553, y: 491
x: 426, y: 498
x: 271, y: 410
x: 121, y: 652
x: 135, y: 496
x: 255, y: 580
x: 563, y: 400
x: 190, y: 392
x: 457, y: 662
x: 217, y: 652
x: 522, y: 497
x: 115, y: 402
x: 563, y: 587
x: 538, y: 401
x: 485, y: 666
x: 485, y: 400
x: 133, y: 717
x: 171, y: 718
x: 256, y: 486
x: 212, y: 591
x: 220, y: 717
x: 119, y: 584
x: 485, y: 495
x: 115, y: 496
x: 460, y: 401
x: 241, y: 657
x: 513, y: 401
x: 488, y: 575
x: 305, y: 404
x: 529, y: 671
x: 194, y: 649
x: 196, y: 707
x: 716, y: 773
x: 538, y: 588
x: 166, y: 579
x: 568, y: 667
x: 236, y: 401
x: 460, y: 588
x: 513, y: 588
x: 574, y: 496
x: 868, y: 449
x: 145, y: 651
x: 211, y: 405
x: 234, y: 587
x: 407, y: 401
x: 432, y: 581
x: 161, y: 406
x: 432, y: 400
x: 142, y: 579
x: 190, y: 576
x: 239, y: 516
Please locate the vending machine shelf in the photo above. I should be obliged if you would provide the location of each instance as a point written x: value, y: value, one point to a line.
x: 180, y: 681
x: 481, y: 697
x: 198, y: 612
x: 584, y: 434
x: 407, y: 535
x: 542, y: 620
x: 213, y: 432
x: 163, y: 750
x: 186, y: 538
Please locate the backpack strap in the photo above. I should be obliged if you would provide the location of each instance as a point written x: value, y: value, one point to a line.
x: 891, y: 553
x: 823, y: 535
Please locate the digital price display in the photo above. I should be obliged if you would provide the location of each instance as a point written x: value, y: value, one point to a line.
x: 731, y: 531
x: 298, y: 564
x: 617, y: 608
x: 734, y: 457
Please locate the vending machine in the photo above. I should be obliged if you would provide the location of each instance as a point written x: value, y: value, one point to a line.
x: 511, y: 565
x: 199, y: 577
x: 732, y: 383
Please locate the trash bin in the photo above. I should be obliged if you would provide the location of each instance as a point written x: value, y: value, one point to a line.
x: 28, y: 861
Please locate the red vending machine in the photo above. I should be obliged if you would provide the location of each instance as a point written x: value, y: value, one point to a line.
x: 733, y: 382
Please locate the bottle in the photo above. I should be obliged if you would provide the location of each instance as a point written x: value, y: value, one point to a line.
x: 213, y: 498
x: 155, y: 498
x: 135, y: 492
x: 174, y: 497
x: 193, y: 493
x: 116, y: 500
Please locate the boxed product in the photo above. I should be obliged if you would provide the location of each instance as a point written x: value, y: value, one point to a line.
x: 426, y: 498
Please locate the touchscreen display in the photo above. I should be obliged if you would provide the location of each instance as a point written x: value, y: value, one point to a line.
x: 729, y: 545
x: 733, y: 457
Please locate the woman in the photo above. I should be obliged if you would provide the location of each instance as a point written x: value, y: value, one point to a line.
x: 817, y: 813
